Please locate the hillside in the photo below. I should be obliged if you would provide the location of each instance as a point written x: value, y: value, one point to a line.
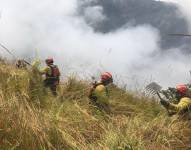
x: 33, y: 119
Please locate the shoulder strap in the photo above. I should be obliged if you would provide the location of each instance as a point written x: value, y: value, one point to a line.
x: 52, y: 69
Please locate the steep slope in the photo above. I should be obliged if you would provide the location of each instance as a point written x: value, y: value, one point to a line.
x: 33, y: 119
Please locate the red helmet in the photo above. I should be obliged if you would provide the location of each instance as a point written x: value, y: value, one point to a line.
x: 182, y: 89
x: 106, y: 76
x: 49, y: 60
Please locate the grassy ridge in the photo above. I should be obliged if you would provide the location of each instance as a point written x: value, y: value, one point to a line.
x: 31, y: 118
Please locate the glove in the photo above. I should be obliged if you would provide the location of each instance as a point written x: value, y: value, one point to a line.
x: 165, y: 103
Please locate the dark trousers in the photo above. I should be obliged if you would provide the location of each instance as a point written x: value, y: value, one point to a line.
x: 52, y: 85
x: 100, y: 106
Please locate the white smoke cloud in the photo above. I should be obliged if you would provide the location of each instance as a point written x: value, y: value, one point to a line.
x: 94, y: 15
x: 56, y: 29
x: 184, y: 6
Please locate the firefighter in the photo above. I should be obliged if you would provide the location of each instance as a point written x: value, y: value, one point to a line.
x: 52, y: 75
x: 183, y: 98
x: 99, y: 94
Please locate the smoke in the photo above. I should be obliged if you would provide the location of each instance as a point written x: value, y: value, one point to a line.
x: 94, y: 15
x: 56, y: 29
x: 185, y: 7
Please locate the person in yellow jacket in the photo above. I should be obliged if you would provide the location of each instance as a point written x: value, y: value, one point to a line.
x: 99, y: 94
x: 184, y: 101
x: 52, y: 74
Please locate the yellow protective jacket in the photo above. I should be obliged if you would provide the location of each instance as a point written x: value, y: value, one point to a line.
x: 46, y: 70
x: 101, y: 93
x: 183, y: 106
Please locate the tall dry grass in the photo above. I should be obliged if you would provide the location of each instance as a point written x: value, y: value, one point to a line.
x: 31, y: 118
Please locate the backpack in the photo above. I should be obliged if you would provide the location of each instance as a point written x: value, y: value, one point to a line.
x: 55, y: 72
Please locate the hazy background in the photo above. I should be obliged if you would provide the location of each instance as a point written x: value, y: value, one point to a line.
x: 126, y: 37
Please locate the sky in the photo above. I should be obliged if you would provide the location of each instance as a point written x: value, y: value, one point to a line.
x: 133, y: 54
